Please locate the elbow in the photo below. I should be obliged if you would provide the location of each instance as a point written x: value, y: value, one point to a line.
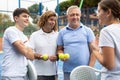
x: 30, y: 57
x: 110, y: 67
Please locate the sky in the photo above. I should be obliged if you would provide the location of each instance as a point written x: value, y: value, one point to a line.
x: 10, y: 5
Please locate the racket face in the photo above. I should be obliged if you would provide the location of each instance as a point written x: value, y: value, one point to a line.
x: 83, y: 73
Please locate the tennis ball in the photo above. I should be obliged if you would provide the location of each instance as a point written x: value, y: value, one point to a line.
x: 66, y: 56
x: 61, y: 56
x: 45, y: 57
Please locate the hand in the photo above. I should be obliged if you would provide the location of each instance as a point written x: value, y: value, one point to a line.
x: 64, y: 59
x: 95, y: 43
x: 37, y: 56
x: 63, y: 56
x: 97, y: 39
x: 53, y: 58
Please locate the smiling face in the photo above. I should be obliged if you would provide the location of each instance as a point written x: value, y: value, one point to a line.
x: 102, y: 16
x: 50, y: 24
x: 73, y: 17
x: 107, y: 13
x: 22, y: 20
x: 48, y: 21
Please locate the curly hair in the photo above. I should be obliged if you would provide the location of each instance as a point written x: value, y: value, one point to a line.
x: 44, y: 17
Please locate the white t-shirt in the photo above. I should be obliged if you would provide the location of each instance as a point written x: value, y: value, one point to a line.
x: 14, y: 63
x: 110, y: 36
x: 44, y: 43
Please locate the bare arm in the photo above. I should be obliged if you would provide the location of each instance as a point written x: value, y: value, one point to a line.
x: 27, y: 52
x: 53, y: 58
x: 106, y: 56
x: 60, y: 49
x: 92, y: 56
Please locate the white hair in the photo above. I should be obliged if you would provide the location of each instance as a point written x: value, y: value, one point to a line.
x: 72, y: 7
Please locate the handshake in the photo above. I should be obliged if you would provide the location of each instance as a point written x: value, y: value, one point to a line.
x: 63, y: 56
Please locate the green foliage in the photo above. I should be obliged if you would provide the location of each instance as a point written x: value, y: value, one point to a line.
x: 63, y: 6
x: 90, y: 3
x: 34, y: 11
x: 34, y: 8
x: 1, y: 34
x: 5, y: 21
x: 30, y: 29
x: 75, y: 2
x: 86, y: 4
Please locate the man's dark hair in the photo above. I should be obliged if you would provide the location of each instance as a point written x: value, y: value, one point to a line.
x: 19, y: 11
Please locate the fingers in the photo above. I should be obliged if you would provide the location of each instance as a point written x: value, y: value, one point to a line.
x: 53, y: 58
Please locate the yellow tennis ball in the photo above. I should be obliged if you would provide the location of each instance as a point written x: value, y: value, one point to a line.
x: 45, y: 56
x: 66, y: 56
x: 61, y: 56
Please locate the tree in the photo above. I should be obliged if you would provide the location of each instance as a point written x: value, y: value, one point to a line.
x: 5, y: 21
x: 63, y: 6
x: 34, y: 12
x: 86, y: 4
x: 90, y: 3
x: 30, y: 29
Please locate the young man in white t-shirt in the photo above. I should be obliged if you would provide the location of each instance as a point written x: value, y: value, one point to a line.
x: 16, y: 52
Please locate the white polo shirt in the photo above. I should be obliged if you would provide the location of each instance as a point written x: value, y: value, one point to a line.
x: 44, y: 43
